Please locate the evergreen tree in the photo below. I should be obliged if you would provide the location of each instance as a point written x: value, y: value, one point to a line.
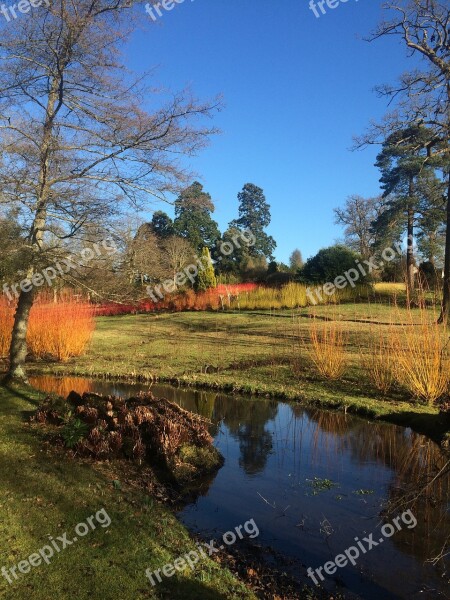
x: 235, y: 262
x: 206, y: 278
x: 254, y: 216
x: 193, y: 219
x: 432, y: 217
x: 330, y: 263
x: 162, y: 225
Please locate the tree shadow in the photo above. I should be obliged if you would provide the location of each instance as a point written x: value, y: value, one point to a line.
x: 188, y: 589
x: 433, y: 426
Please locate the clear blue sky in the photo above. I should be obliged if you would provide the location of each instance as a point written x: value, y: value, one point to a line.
x: 296, y: 89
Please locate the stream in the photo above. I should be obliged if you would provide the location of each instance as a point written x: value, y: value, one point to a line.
x: 313, y: 480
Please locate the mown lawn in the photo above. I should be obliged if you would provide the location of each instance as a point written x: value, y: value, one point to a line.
x: 260, y: 352
x: 43, y: 493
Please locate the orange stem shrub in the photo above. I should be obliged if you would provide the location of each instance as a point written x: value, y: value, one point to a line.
x: 61, y: 329
x: 421, y: 352
x: 56, y: 329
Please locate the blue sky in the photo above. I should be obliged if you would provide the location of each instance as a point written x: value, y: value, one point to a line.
x: 296, y: 89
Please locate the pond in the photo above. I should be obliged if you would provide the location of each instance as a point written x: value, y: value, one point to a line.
x: 313, y: 480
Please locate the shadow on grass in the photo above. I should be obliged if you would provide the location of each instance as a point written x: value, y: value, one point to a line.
x: 184, y: 589
x: 15, y: 392
x: 433, y: 426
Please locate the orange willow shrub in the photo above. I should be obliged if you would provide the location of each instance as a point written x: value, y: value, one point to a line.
x: 421, y: 352
x: 327, y: 347
x: 61, y: 329
x: 379, y: 364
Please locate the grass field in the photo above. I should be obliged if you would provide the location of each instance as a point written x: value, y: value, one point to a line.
x: 259, y: 352
x: 44, y: 494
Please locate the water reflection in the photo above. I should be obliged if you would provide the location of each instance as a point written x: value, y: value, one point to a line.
x: 274, y: 450
x: 246, y: 423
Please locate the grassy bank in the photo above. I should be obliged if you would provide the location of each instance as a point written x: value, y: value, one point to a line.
x: 253, y: 352
x: 43, y: 493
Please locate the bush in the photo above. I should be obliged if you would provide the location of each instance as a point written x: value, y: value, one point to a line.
x: 430, y: 277
x: 61, y: 330
x: 330, y: 263
x: 379, y: 363
x: 56, y: 329
x: 421, y: 353
x: 6, y: 325
x: 280, y: 278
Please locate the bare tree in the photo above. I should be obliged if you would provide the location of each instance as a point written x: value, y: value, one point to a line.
x: 177, y: 254
x: 77, y: 143
x: 145, y: 256
x: 357, y: 217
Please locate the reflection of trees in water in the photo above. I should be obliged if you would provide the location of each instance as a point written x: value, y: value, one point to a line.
x: 205, y: 403
x: 330, y: 422
x: 421, y: 478
x: 422, y: 483
x: 246, y: 421
x: 336, y: 424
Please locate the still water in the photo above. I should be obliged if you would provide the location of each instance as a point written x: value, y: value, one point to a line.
x: 313, y: 480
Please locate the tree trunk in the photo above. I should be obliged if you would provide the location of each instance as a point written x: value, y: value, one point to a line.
x: 18, y: 349
x: 446, y: 283
x: 410, y: 248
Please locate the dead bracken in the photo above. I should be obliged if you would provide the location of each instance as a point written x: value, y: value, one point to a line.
x: 143, y: 428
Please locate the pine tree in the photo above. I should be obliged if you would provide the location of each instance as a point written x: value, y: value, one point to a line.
x: 404, y: 162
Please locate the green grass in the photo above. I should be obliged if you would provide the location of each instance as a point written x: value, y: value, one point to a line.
x: 260, y: 352
x: 43, y: 493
